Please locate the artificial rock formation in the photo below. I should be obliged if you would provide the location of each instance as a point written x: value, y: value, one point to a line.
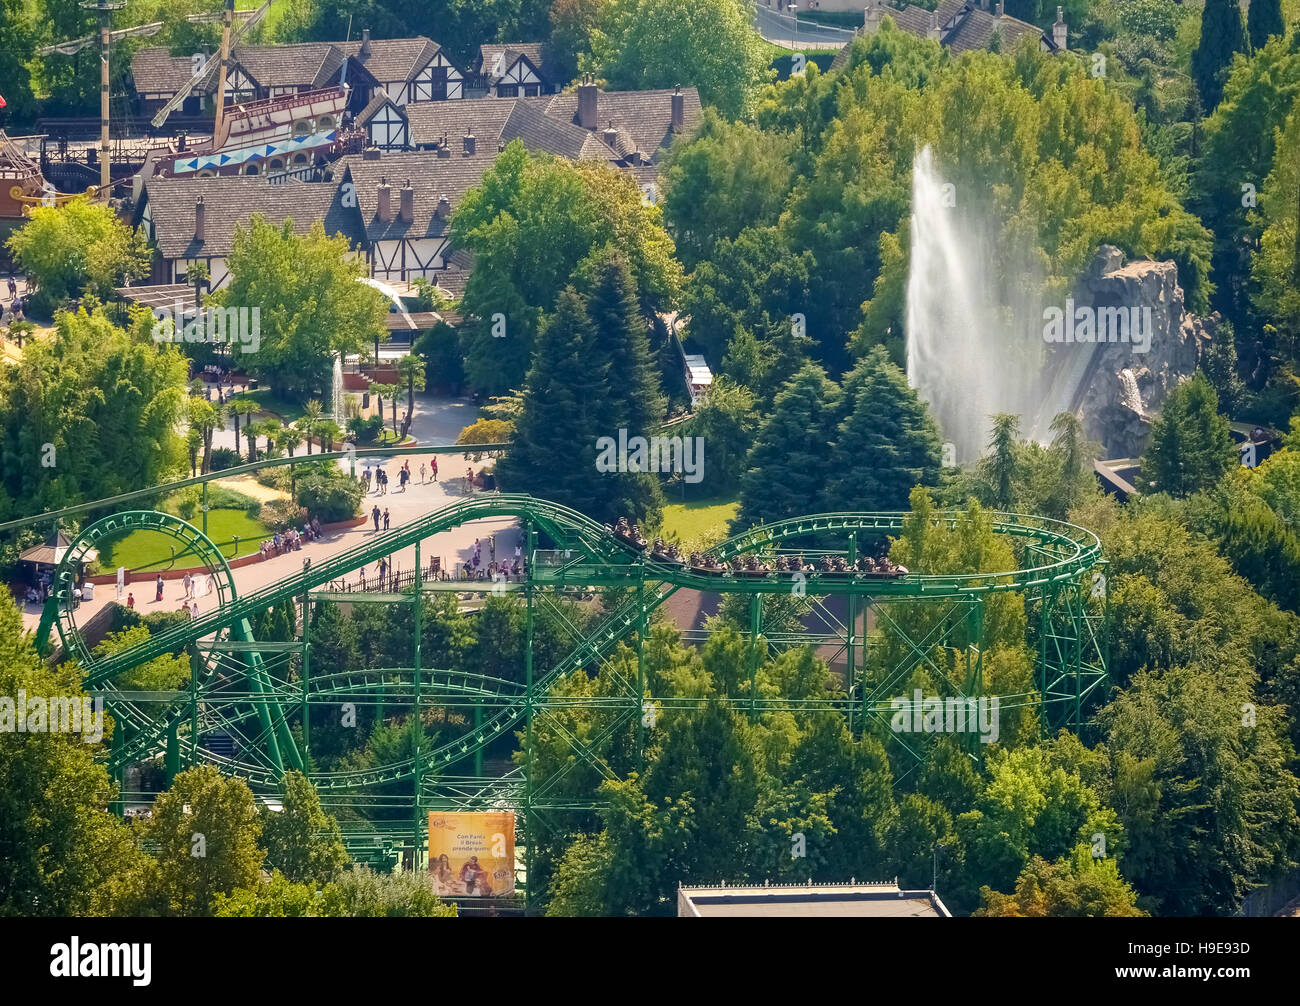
x: 1123, y: 389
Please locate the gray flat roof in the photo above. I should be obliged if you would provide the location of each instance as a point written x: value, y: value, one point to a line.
x: 880, y: 901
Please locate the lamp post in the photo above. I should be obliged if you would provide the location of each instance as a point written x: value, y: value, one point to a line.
x: 794, y: 20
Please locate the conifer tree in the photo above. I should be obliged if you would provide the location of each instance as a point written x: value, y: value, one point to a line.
x: 634, y: 392
x: 1263, y: 21
x: 554, y: 450
x: 1191, y: 447
x: 1222, y: 36
x: 790, y: 464
x: 569, y: 403
x: 886, y: 443
x: 998, y: 468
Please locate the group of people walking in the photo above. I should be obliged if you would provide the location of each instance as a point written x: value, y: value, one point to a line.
x: 380, y: 476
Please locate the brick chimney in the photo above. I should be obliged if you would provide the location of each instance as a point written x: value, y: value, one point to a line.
x: 610, y: 134
x: 469, y: 143
x: 371, y: 154
x: 444, y: 150
x: 934, y: 26
x: 587, y: 104
x: 444, y: 205
x: 365, y: 43
x: 1058, y: 30
x: 997, y: 11
x: 408, y: 203
x: 679, y: 110
x: 385, y: 201
x: 199, y: 223
x: 872, y: 16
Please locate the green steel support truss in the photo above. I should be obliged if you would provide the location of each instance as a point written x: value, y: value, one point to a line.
x: 246, y: 705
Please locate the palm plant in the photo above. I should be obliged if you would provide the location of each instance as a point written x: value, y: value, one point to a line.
x: 328, y: 431
x: 240, y: 408
x: 312, y: 414
x: 389, y: 391
x: 290, y: 438
x: 271, y: 429
x: 253, y: 430
x: 412, y: 368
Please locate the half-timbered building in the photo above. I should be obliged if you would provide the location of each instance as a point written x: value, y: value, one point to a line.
x: 407, y: 69
x: 193, y: 220
x: 385, y: 123
x: 515, y: 70
x: 630, y: 129
x: 405, y: 202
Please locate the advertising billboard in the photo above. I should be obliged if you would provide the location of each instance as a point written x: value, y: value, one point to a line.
x: 472, y: 854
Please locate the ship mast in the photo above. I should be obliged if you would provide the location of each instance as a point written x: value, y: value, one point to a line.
x: 219, y: 123
x: 104, y: 9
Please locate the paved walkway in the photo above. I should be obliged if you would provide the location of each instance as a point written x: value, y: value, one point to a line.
x: 452, y: 547
x: 437, y: 420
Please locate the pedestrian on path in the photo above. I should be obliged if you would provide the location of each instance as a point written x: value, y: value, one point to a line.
x: 374, y: 515
x: 130, y: 602
x: 423, y: 469
x: 385, y: 518
x: 435, y: 469
x: 158, y: 597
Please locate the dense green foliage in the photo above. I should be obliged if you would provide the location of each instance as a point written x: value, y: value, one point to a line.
x: 311, y: 305
x: 536, y: 224
x: 88, y: 413
x: 77, y: 249
x: 641, y: 44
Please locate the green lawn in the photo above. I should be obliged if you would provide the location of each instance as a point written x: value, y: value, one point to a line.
x: 694, y: 521
x: 283, y: 409
x: 151, y: 551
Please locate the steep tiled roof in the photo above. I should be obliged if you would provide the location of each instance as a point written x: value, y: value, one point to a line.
x: 301, y: 64
x: 913, y: 20
x: 539, y: 131
x: 376, y: 103
x: 646, y: 116
x: 976, y: 30
x: 392, y: 58
x: 430, y: 176
x: 949, y: 9
x: 963, y: 26
x: 642, y: 121
x: 498, y: 57
x: 231, y: 201
x: 155, y: 70
x: 484, y: 117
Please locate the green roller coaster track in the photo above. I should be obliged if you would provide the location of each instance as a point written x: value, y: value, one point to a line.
x: 247, y: 705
